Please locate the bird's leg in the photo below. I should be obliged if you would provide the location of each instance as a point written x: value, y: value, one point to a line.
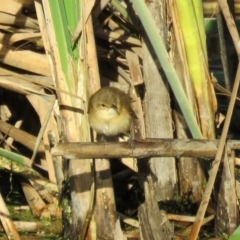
x: 130, y: 140
x: 101, y: 138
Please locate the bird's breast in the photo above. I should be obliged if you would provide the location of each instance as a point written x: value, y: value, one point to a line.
x: 109, y: 122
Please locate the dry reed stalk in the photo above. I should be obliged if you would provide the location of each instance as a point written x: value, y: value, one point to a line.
x: 136, y: 79
x: 119, y: 233
x: 44, y: 106
x: 227, y: 204
x: 157, y: 107
x: 18, y: 21
x: 19, y: 135
x: 87, y: 13
x: 25, y: 59
x: 45, y: 36
x: 11, y: 14
x: 21, y: 208
x: 34, y: 227
x: 117, y: 37
x: 17, y: 125
x: 104, y: 219
x: 35, y: 202
x: 11, y: 7
x: 186, y: 230
x: 57, y: 162
x: 137, y: 128
x: 30, y: 83
x: 10, y: 39
x: 51, y: 187
x: 43, y: 192
x: 205, y: 149
x: 135, y: 68
x: 128, y: 220
x: 16, y: 29
x: 7, y: 223
x: 182, y: 218
x: 15, y: 84
x: 114, y: 26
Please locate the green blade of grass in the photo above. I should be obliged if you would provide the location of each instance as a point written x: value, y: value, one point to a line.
x: 15, y: 157
x: 65, y: 18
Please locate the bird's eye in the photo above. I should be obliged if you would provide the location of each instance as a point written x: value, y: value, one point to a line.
x: 103, y: 105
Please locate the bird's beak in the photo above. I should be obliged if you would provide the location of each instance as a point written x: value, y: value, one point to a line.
x: 115, y: 107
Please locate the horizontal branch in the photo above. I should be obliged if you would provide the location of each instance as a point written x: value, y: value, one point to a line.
x: 149, y: 148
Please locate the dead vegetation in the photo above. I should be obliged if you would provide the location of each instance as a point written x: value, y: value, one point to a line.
x: 52, y: 60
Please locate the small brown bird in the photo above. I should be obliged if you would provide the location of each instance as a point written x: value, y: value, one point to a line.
x: 110, y: 112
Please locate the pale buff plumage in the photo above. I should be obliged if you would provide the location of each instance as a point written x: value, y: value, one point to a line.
x: 110, y: 112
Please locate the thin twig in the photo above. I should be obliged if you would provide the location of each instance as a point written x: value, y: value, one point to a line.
x: 41, y: 132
